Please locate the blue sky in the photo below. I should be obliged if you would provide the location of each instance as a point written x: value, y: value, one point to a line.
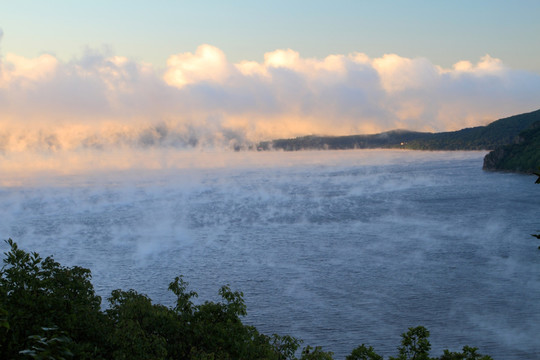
x: 100, y: 74
x: 443, y: 31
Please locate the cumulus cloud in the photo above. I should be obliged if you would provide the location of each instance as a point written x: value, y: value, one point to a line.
x: 399, y: 74
x: 28, y: 71
x: 207, y: 64
x: 486, y: 65
x: 102, y: 101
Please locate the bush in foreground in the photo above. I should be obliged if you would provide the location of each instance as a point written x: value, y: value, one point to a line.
x: 49, y: 311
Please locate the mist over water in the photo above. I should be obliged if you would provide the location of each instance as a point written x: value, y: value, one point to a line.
x: 338, y: 248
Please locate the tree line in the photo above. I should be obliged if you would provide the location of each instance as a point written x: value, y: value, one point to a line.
x: 499, y: 133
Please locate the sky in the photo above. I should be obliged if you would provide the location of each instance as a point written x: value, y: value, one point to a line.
x: 93, y: 75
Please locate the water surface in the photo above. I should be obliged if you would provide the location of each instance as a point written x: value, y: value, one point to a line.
x: 338, y: 248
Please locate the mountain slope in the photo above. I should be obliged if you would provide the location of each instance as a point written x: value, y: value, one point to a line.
x: 522, y: 156
x: 500, y: 132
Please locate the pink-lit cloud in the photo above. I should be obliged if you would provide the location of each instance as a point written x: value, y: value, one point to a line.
x: 201, y: 99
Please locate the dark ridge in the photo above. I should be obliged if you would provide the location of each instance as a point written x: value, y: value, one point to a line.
x: 521, y: 156
x: 498, y: 133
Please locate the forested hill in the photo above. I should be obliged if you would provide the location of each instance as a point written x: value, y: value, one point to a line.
x: 498, y: 133
x: 522, y: 156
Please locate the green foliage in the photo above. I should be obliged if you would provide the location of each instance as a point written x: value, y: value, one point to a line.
x: 414, y: 345
x: 364, y: 353
x: 48, y: 311
x: 184, y: 305
x: 4, y: 324
x: 52, y: 346
x: 537, y: 182
x: 468, y: 353
x: 286, y: 346
x: 39, y: 293
x: 139, y: 327
x: 217, y: 330
x: 522, y: 156
x: 316, y: 353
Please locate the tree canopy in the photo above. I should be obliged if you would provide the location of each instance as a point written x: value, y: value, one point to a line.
x: 49, y: 311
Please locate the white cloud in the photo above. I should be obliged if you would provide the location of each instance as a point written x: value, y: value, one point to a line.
x: 27, y: 71
x: 201, y: 99
x: 207, y: 64
x: 399, y: 74
x: 486, y: 65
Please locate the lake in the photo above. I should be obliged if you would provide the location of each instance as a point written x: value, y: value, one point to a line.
x: 337, y: 248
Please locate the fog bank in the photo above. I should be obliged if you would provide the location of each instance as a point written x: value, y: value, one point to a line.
x: 101, y: 100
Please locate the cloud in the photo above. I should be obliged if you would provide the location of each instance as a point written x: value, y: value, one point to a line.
x: 207, y: 64
x: 401, y: 74
x: 26, y: 71
x: 486, y: 65
x: 103, y: 101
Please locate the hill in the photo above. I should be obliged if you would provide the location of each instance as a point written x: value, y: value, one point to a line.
x: 498, y: 133
x: 389, y: 139
x: 521, y: 156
